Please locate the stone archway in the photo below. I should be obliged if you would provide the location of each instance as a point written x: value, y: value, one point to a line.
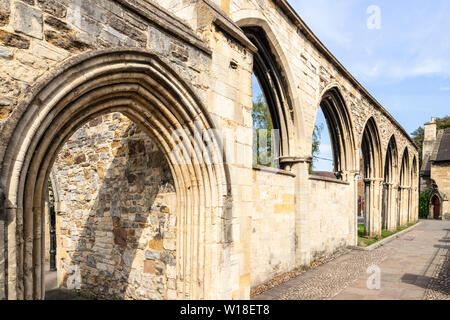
x: 435, y: 207
x: 389, y: 212
x: 141, y: 86
x: 270, y: 76
x: 340, y: 129
x: 284, y: 91
x: 404, y: 190
x: 414, y: 192
x: 372, y: 162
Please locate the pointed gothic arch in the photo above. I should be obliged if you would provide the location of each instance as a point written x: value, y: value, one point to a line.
x: 414, y: 212
x: 404, y: 189
x: 373, y: 177
x: 340, y: 127
x: 144, y: 88
x: 436, y: 205
x: 389, y: 213
x: 274, y: 87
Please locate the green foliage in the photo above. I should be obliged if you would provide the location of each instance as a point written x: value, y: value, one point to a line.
x: 317, y: 136
x: 424, y: 204
x: 365, y: 241
x: 418, y: 137
x: 387, y: 233
x: 263, y: 153
x: 443, y: 123
x: 361, y: 230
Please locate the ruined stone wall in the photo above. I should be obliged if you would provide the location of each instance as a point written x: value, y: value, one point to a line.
x: 116, y: 221
x: 314, y: 73
x: 273, y: 226
x: 39, y: 39
x: 38, y: 35
x: 331, y: 215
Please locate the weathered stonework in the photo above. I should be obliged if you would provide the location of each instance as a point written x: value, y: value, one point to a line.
x: 171, y: 65
x: 115, y: 212
x: 440, y: 173
x: 273, y: 225
x: 5, y: 12
x: 28, y: 20
x: 435, y: 170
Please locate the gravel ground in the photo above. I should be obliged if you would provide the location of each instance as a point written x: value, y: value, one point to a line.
x: 415, y: 266
x: 330, y: 281
x: 439, y: 286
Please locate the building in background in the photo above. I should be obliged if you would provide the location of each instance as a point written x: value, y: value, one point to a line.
x: 435, y: 171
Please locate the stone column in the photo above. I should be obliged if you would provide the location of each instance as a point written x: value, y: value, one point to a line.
x: 414, y: 212
x: 302, y: 249
x: 394, y: 206
x: 391, y: 212
x: 373, y: 207
x: 352, y: 176
x: 2, y: 254
x: 403, y: 205
x: 384, y: 205
x: 407, y: 205
x: 14, y: 236
x: 416, y: 204
x: 410, y: 206
x: 399, y: 205
x: 430, y: 211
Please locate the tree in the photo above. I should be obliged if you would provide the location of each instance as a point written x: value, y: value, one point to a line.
x: 424, y: 204
x: 418, y: 137
x: 443, y: 123
x: 317, y: 136
x: 262, y: 137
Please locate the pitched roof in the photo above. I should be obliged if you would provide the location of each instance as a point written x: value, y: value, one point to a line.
x: 426, y: 166
x: 443, y: 148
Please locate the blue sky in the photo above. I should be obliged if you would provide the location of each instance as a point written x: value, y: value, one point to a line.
x: 405, y: 64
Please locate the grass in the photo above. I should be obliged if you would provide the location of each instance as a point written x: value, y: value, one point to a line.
x: 365, y: 241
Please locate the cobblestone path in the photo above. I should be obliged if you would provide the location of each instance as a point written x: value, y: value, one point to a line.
x: 414, y: 266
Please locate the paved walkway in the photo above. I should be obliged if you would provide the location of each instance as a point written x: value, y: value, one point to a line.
x: 414, y: 266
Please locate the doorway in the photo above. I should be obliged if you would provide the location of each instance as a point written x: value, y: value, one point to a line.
x: 436, y: 208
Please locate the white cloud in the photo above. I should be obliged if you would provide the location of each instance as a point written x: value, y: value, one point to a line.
x: 399, y: 70
x: 411, y: 43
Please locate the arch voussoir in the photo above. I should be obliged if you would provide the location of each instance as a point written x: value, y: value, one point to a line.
x: 141, y: 87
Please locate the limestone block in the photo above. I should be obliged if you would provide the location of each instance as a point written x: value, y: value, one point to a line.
x: 83, y: 23
x: 28, y: 20
x: 5, y: 12
x: 52, y: 7
x: 13, y: 40
x: 2, y: 260
x: 6, y: 53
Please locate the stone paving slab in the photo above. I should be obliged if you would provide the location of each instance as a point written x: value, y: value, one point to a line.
x: 414, y: 266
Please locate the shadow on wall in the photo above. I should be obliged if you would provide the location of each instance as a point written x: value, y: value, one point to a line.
x: 116, y: 222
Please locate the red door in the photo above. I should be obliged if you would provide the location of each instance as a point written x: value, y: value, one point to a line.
x: 437, y: 208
